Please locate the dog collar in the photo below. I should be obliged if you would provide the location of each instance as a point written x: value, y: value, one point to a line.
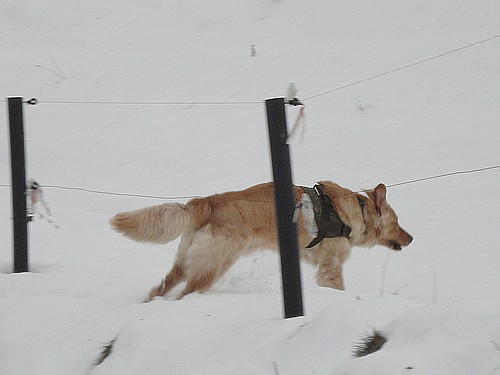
x: 327, y: 220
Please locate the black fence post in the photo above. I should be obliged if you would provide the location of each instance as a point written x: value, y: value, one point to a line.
x: 285, y: 206
x: 20, y: 224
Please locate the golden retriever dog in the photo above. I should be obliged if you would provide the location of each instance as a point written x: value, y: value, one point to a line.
x: 215, y: 231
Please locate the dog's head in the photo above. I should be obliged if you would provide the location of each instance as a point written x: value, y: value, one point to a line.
x: 372, y: 220
x: 382, y: 221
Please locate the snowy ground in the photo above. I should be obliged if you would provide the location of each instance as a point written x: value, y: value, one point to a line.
x: 437, y: 302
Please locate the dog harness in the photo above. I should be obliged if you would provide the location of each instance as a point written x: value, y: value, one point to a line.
x: 328, y: 222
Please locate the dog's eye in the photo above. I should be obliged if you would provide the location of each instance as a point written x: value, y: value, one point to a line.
x: 361, y: 203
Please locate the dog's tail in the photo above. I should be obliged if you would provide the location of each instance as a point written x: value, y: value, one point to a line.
x: 157, y: 224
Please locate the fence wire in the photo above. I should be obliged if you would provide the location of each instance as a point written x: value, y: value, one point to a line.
x: 254, y: 102
x: 183, y: 197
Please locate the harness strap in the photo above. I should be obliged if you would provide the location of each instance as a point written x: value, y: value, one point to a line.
x: 327, y: 220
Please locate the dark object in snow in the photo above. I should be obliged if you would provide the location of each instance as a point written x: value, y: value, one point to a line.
x: 105, y: 352
x: 369, y: 344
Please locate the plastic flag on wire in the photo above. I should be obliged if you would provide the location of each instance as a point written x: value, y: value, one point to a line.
x: 35, y: 197
x: 300, y: 119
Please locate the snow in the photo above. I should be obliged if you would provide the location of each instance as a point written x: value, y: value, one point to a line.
x: 437, y: 301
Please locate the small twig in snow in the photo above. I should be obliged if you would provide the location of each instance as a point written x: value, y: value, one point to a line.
x: 275, y: 368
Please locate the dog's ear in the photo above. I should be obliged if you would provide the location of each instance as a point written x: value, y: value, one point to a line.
x: 379, y: 194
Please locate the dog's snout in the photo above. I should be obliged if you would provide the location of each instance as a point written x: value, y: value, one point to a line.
x: 408, y: 239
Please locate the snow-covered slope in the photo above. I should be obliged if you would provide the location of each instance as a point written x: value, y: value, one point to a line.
x: 437, y: 301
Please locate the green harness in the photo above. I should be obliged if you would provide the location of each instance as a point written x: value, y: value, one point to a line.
x: 327, y: 220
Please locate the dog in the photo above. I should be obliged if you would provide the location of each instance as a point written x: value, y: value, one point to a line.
x: 216, y: 230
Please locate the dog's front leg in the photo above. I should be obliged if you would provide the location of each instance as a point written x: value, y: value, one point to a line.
x: 332, y: 253
x: 329, y: 275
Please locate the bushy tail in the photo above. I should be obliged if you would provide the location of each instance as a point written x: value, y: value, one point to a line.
x: 157, y: 224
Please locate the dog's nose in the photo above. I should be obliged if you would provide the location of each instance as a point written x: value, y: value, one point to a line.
x: 405, y: 238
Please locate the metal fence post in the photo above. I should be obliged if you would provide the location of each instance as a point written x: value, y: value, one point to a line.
x: 285, y: 206
x: 20, y: 224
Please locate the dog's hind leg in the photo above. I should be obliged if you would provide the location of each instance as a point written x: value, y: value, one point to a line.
x: 207, y: 277
x: 200, y: 283
x: 174, y: 277
x: 209, y: 258
x: 177, y: 274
